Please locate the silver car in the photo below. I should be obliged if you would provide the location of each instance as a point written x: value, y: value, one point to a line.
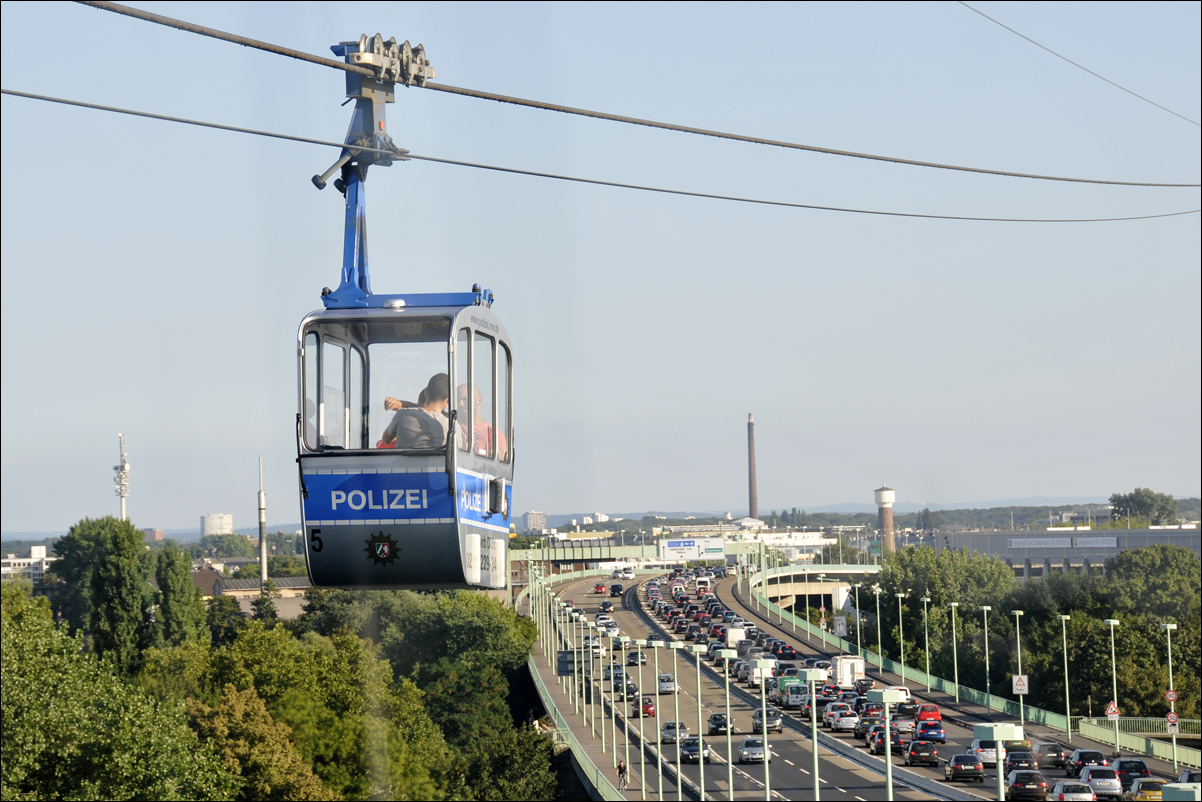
x: 846, y: 722
x: 752, y: 751
x: 1071, y: 791
x: 1104, y: 781
x: 832, y: 712
x: 674, y: 731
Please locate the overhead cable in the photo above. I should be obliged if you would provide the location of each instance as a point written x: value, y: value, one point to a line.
x: 1075, y: 64
x: 599, y: 115
x: 576, y: 179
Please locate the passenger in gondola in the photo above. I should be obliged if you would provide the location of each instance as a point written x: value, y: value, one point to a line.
x: 424, y: 425
x: 482, y: 429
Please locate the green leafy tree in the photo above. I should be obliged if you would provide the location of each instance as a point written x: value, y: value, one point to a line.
x: 181, y: 606
x: 286, y: 565
x: 516, y: 765
x: 1159, y: 508
x: 285, y: 543
x: 267, y: 659
x: 256, y: 748
x: 119, y: 594
x: 467, y: 701
x: 264, y: 604
x: 364, y: 735
x: 178, y: 672
x: 227, y: 545
x: 72, y: 729
x: 78, y: 552
x: 225, y: 620
x: 1163, y: 580
x: 431, y: 628
x: 357, y: 755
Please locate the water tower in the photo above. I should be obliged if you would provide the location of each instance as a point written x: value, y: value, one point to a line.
x: 885, y: 496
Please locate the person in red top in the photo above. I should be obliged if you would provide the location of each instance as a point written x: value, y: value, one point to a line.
x: 481, y: 429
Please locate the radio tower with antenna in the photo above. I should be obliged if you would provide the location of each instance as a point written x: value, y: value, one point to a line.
x: 122, y: 469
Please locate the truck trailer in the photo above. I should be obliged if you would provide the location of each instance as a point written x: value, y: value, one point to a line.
x: 846, y: 669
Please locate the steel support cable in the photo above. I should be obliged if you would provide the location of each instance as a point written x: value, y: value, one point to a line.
x: 1075, y: 64
x: 534, y: 104
x: 577, y: 179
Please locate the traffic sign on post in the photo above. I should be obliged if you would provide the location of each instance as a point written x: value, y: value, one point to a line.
x: 1020, y: 684
x: 1112, y: 711
x: 1170, y: 696
x: 1172, y: 718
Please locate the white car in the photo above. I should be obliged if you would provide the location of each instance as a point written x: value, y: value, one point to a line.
x: 628, y: 574
x: 1072, y: 791
x: 667, y: 683
x: 611, y: 629
x: 673, y: 731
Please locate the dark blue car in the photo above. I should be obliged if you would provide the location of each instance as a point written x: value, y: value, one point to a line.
x: 931, y: 731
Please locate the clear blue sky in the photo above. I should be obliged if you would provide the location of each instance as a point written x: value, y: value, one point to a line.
x: 154, y: 275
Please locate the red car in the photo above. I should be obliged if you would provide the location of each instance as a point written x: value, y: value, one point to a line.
x: 599, y: 588
x: 647, y: 708
x: 929, y: 713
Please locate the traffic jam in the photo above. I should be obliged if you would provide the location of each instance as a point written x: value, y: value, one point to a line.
x: 682, y: 606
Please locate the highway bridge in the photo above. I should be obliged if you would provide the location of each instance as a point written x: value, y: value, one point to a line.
x: 588, y: 718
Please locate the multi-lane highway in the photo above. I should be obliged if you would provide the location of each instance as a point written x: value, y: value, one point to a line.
x: 860, y: 777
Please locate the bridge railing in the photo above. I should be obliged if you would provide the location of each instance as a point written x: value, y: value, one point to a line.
x: 590, y: 773
x: 1056, y: 721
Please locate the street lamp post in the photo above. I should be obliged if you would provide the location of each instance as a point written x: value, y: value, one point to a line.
x: 955, y: 659
x: 999, y: 733
x: 613, y: 701
x: 553, y: 645
x: 762, y: 666
x: 676, y: 646
x: 1068, y: 713
x: 592, y: 653
x: 821, y: 608
x: 1018, y: 642
x: 639, y: 644
x: 1168, y: 631
x: 985, y: 608
x: 763, y: 577
x: 809, y: 636
x: 559, y: 677
x: 697, y: 650
x: 1114, y: 679
x: 880, y: 649
x: 624, y: 639
x: 578, y: 661
x: 727, y: 655
x: 901, y: 636
x: 859, y: 648
x: 926, y: 639
x: 886, y: 697
x: 812, y: 675
x: 656, y: 645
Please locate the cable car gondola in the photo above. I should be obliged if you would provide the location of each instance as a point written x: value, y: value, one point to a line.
x: 404, y: 424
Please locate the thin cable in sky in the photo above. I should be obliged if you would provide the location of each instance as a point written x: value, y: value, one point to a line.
x: 576, y: 179
x: 1075, y: 64
x: 599, y: 115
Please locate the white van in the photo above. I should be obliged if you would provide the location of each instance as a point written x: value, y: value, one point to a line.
x: 703, y: 585
x: 905, y: 692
